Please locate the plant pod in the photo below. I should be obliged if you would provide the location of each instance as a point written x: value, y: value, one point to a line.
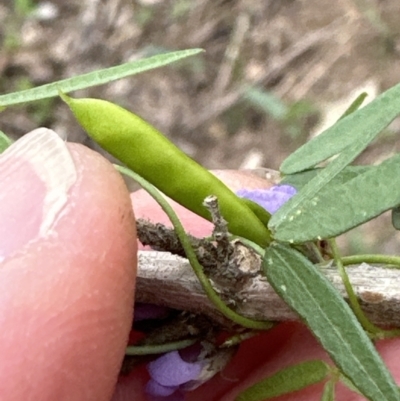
x: 150, y: 154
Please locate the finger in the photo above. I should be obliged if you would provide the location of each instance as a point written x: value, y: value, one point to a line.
x: 67, y: 271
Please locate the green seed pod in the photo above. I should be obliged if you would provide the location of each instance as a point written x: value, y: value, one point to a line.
x: 150, y: 154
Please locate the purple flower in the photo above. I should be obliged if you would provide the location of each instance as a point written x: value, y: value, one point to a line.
x: 178, y: 371
x: 270, y: 199
x: 157, y: 389
x: 169, y: 372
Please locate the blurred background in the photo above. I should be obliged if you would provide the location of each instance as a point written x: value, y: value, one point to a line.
x: 275, y: 73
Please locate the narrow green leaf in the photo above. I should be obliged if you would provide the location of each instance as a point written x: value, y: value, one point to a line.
x: 95, y: 78
x: 267, y: 102
x: 287, y: 380
x: 329, y: 317
x: 348, y: 383
x: 284, y: 216
x: 329, y: 391
x: 362, y: 125
x: 5, y: 141
x: 338, y: 208
x: 355, y: 105
x: 298, y: 180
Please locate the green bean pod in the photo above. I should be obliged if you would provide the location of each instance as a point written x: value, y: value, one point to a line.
x: 150, y: 154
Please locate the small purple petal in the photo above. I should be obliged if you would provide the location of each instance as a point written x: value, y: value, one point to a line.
x: 171, y: 370
x: 270, y: 199
x: 149, y: 311
x: 288, y: 189
x: 154, y: 388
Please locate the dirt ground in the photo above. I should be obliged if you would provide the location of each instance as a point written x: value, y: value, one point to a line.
x: 273, y: 74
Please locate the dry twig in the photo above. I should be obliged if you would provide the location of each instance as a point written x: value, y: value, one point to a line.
x: 166, y: 279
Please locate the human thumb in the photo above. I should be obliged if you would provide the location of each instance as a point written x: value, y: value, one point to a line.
x: 67, y: 271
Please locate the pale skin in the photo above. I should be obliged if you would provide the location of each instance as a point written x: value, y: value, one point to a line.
x: 66, y: 298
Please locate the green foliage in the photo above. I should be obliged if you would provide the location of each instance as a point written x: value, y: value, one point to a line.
x: 267, y: 102
x: 289, y: 116
x: 287, y: 380
x: 95, y: 78
x: 144, y: 15
x: 24, y: 8
x: 299, y: 180
x: 312, y: 296
x: 328, y: 393
x: 347, y: 138
x: 5, y: 142
x: 337, y: 208
x: 180, y: 8
x: 359, y: 128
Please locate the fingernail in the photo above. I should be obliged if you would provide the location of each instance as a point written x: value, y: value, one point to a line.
x: 36, y: 174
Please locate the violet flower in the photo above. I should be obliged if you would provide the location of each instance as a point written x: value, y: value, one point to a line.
x: 176, y: 372
x: 169, y: 373
x: 270, y: 199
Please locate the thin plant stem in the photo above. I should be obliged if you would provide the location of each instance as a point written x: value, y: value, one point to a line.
x: 313, y: 246
x: 191, y: 255
x: 355, y: 305
x: 390, y: 262
x: 158, y: 348
x: 372, y: 258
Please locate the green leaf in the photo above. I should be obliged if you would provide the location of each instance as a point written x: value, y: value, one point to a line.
x: 338, y: 208
x: 298, y: 180
x: 95, y: 78
x: 287, y: 380
x: 5, y: 141
x: 329, y: 391
x: 360, y: 126
x: 284, y: 216
x: 304, y: 288
x: 267, y: 102
x: 350, y: 136
x: 348, y: 383
x: 355, y: 105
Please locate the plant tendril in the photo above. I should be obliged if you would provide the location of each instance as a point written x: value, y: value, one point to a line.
x: 191, y: 255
